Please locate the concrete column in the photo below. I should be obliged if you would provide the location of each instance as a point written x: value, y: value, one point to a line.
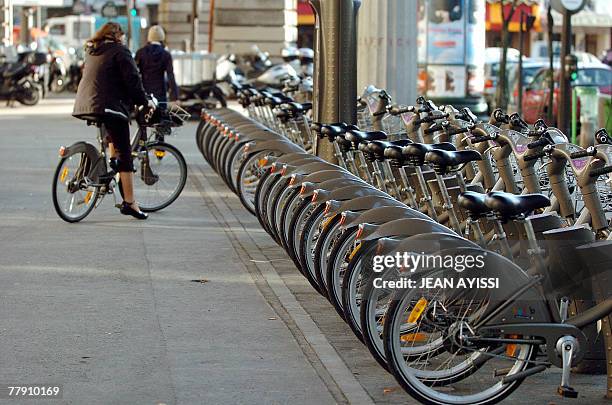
x: 240, y: 24
x: 387, y: 47
x: 6, y: 22
x: 175, y: 16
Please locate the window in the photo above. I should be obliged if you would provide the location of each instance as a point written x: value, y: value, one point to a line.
x: 82, y: 29
x: 58, y: 29
x: 594, y: 77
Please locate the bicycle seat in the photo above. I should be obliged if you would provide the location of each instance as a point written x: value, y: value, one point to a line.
x: 444, y: 161
x: 509, y: 206
x: 415, y: 152
x: 378, y: 147
x: 190, y: 88
x: 474, y: 203
x: 358, y: 137
x: 115, y: 114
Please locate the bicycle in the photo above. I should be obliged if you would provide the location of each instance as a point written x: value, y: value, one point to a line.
x: 86, y: 174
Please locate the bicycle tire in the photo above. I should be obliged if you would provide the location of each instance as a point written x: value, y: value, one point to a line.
x: 54, y: 190
x: 152, y: 207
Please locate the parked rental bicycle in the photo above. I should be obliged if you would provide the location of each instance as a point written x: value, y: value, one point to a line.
x: 85, y: 173
x: 431, y: 181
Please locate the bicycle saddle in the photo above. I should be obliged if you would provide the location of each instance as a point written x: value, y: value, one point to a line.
x: 474, y: 203
x: 508, y: 206
x: 443, y: 161
x: 357, y: 137
x: 415, y: 152
x: 378, y: 147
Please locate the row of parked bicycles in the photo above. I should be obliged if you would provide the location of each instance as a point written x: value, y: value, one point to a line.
x: 467, y: 256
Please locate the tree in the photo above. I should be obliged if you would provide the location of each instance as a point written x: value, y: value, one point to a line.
x: 501, y: 96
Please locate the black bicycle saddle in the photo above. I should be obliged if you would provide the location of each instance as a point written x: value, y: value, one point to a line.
x: 474, y: 203
x: 443, y: 160
x: 508, y: 206
x: 415, y: 152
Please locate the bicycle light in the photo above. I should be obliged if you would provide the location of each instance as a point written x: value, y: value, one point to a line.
x: 62, y: 151
x: 292, y: 181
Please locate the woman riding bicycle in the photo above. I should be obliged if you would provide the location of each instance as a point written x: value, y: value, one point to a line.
x: 110, y: 85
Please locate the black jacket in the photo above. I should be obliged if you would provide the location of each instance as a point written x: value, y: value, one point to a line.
x: 155, y: 63
x: 110, y: 80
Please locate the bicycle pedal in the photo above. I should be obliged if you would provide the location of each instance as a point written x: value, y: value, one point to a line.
x: 118, y: 206
x: 567, y: 392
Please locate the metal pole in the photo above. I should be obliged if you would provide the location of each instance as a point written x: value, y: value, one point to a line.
x: 211, y: 20
x: 128, y: 5
x: 194, y: 25
x: 563, y: 105
x: 520, y: 64
x: 551, y: 88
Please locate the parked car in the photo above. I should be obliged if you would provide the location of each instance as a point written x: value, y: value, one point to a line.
x: 535, y: 98
x: 607, y: 58
x: 530, y: 68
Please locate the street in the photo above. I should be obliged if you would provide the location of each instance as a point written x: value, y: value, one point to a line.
x: 195, y: 305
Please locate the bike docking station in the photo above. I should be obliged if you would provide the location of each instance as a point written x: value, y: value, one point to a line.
x: 460, y: 252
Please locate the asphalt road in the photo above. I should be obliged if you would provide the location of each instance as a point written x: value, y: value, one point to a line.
x: 109, y: 309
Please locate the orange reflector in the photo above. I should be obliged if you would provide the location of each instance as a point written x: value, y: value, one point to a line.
x: 359, y: 232
x: 292, y: 181
x: 511, y: 347
x: 303, y: 189
x: 327, y: 208
x: 414, y: 337
x: 160, y: 153
x: 88, y: 196
x: 354, y: 252
x: 283, y: 170
x: 64, y: 174
x: 418, y: 310
x: 262, y: 162
x: 314, y: 196
x: 62, y: 151
x: 342, y: 218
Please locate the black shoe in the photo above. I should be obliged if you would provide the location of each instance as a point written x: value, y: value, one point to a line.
x: 126, y: 209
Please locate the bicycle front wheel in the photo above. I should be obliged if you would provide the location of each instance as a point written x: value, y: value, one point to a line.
x: 161, y: 174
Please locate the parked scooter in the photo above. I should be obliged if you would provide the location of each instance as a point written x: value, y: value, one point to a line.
x: 19, y: 80
x: 206, y: 94
x: 256, y: 69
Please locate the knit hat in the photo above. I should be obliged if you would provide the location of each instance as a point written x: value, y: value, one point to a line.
x: 156, y: 34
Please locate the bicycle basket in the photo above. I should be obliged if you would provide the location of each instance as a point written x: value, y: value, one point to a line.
x: 175, y: 114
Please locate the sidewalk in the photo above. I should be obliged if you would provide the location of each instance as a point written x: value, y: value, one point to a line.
x: 108, y: 307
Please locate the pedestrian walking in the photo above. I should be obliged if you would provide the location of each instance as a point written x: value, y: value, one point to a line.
x: 155, y: 65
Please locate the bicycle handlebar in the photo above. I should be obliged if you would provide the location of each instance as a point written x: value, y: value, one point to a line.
x: 600, y: 172
x: 538, y: 143
x: 583, y: 153
x: 479, y: 139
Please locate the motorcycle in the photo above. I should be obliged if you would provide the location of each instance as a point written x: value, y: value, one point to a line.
x: 206, y: 94
x: 259, y: 71
x: 20, y: 80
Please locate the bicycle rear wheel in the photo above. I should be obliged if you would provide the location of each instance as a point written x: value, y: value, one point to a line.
x: 73, y: 195
x: 161, y: 174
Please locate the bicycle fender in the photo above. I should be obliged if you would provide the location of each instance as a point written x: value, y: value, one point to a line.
x: 92, y: 154
x: 335, y: 207
x: 406, y: 227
